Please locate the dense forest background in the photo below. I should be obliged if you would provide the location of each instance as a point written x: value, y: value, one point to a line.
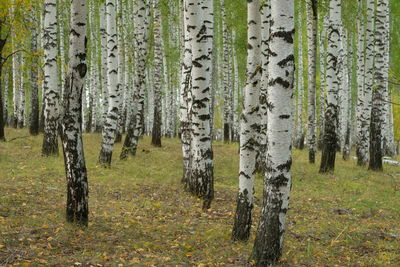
x: 20, y: 24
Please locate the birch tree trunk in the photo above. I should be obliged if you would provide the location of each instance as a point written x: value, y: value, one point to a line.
x: 110, y: 127
x: 360, y: 68
x: 75, y: 167
x: 185, y: 96
x: 201, y: 23
x: 121, y: 69
x: 363, y: 139
x: 34, y: 88
x: 332, y: 109
x: 388, y: 127
x: 322, y: 58
x: 312, y: 22
x: 2, y: 44
x: 249, y: 125
x: 21, y: 94
x: 50, y: 86
x: 236, y: 126
x: 376, y: 151
x: 15, y: 72
x: 135, y: 125
x: 300, y: 136
x: 226, y: 71
x: 269, y: 239
x: 158, y: 62
x: 263, y: 110
x: 104, y: 73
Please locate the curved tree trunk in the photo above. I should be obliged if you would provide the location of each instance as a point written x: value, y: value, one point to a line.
x: 135, y: 125
x: 75, y: 168
x: 249, y: 125
x: 269, y: 239
x: 51, y: 85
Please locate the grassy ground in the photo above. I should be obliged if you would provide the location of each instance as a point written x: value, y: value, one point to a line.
x: 139, y: 214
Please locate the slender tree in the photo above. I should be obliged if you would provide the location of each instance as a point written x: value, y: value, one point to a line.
x: 156, y: 132
x: 34, y: 88
x: 376, y: 147
x: 75, y: 168
x: 332, y: 109
x: 263, y: 110
x: 3, y: 41
x: 51, y: 85
x: 135, y: 125
x: 312, y: 22
x: 249, y: 125
x: 269, y: 239
x: 201, y: 24
x: 364, y: 114
x: 300, y: 136
x: 110, y: 126
x: 185, y: 96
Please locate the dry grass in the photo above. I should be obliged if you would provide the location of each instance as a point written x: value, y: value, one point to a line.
x: 139, y: 214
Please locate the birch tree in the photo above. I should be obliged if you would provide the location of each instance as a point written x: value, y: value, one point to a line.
x: 249, y: 125
x: 332, y: 109
x: 135, y: 125
x: 158, y: 62
x: 322, y: 61
x: 75, y: 167
x: 312, y: 22
x: 226, y: 73
x: 363, y: 138
x: 376, y: 147
x: 201, y: 23
x: 263, y: 110
x: 110, y: 126
x: 34, y: 88
x: 51, y: 85
x: 360, y: 70
x: 185, y: 95
x: 300, y: 136
x: 269, y: 239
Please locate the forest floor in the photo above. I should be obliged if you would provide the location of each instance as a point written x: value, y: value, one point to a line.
x: 140, y: 216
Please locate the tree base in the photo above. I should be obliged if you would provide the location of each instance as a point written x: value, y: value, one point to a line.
x: 105, y: 158
x: 50, y: 148
x: 242, y: 224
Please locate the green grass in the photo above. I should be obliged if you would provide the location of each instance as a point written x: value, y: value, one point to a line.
x: 139, y: 214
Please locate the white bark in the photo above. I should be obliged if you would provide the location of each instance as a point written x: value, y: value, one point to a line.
x: 201, y: 23
x: 299, y: 143
x: 75, y: 167
x: 269, y: 239
x: 332, y: 109
x: 312, y: 22
x: 103, y: 35
x: 114, y: 97
x: 185, y: 96
x: 363, y: 138
x: 51, y: 83
x: 249, y: 123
